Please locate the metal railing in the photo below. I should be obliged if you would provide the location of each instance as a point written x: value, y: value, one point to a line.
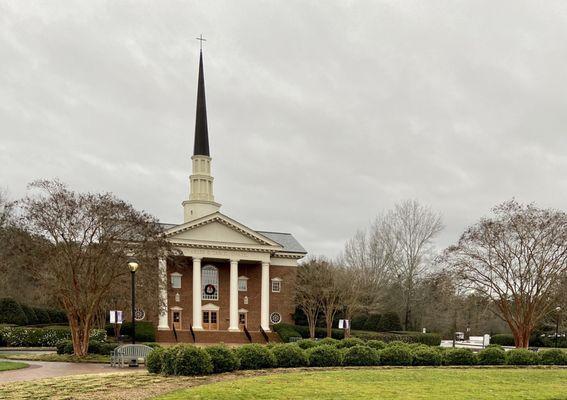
x: 263, y: 332
x: 248, y: 336
x: 192, y: 333
x: 175, y: 333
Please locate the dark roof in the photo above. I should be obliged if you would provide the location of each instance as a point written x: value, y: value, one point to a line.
x: 201, y: 130
x: 286, y: 240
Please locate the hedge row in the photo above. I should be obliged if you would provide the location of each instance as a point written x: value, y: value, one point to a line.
x: 145, y: 331
x: 14, y: 313
x: 506, y: 339
x: 41, y: 337
x: 287, y: 331
x: 191, y: 360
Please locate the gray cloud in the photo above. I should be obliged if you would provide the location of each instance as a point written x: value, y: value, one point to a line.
x: 321, y: 114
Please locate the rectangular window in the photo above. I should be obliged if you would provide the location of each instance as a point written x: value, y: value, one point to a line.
x: 176, y: 281
x: 276, y: 286
x: 242, y: 285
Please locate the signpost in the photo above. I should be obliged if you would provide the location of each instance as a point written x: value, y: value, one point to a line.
x: 345, y: 324
x: 116, y: 319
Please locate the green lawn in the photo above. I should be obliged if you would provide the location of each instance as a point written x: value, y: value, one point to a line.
x: 7, y: 365
x: 414, y: 383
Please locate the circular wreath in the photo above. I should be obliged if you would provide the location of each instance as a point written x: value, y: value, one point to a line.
x: 139, y: 314
x: 210, y: 289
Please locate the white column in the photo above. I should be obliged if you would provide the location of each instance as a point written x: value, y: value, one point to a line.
x: 265, y: 299
x: 233, y: 324
x: 197, y: 313
x: 162, y: 281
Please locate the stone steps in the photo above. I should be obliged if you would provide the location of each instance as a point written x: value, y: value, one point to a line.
x: 215, y: 337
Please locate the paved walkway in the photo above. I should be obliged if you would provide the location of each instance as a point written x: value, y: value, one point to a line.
x: 44, y: 369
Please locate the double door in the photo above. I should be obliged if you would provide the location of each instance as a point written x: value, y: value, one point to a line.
x: 210, y: 320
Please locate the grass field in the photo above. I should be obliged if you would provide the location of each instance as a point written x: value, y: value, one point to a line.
x: 425, y: 383
x: 8, y: 366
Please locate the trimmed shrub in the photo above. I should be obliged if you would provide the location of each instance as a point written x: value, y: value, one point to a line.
x: 459, y: 357
x: 494, y: 346
x: 290, y: 356
x: 492, y: 356
x: 11, y: 312
x: 145, y: 331
x: 168, y: 360
x: 376, y: 344
x: 503, y: 339
x: 56, y: 316
x: 324, y: 356
x: 396, y: 355
x: 154, y: 360
x: 30, y: 315
x: 372, y: 323
x: 552, y: 357
x: 33, y: 337
x: 521, y: 357
x: 104, y: 348
x: 224, y: 359
x: 255, y: 356
x: 358, y: 321
x: 329, y: 341
x: 389, y: 321
x: 65, y: 347
x: 286, y: 331
x: 306, y: 343
x: 43, y: 316
x: 360, y: 356
x: 426, y: 355
x: 191, y: 360
x: 350, y: 342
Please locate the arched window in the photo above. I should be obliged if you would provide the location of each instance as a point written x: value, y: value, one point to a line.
x: 210, y: 283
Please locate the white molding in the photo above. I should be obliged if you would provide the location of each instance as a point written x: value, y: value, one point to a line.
x: 210, y: 307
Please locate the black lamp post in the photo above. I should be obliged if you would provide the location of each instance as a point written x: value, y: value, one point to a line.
x: 133, y: 265
x: 558, y: 310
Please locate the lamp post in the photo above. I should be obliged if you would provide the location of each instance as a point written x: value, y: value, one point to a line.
x: 558, y: 310
x: 133, y: 265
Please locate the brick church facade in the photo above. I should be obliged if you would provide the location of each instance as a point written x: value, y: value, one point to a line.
x: 226, y: 281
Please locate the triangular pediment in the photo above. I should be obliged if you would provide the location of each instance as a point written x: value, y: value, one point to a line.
x: 218, y: 229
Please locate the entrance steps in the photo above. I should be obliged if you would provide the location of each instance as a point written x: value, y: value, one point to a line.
x: 211, y: 337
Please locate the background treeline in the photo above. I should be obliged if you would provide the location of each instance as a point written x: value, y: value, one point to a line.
x: 15, y: 313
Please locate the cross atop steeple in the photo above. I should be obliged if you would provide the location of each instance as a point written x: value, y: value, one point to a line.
x: 200, y: 38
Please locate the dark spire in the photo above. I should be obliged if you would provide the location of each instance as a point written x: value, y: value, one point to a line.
x: 201, y: 131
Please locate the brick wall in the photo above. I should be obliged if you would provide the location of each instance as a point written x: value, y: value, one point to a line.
x: 279, y: 302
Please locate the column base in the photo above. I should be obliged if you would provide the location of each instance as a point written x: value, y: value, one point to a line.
x: 266, y: 329
x: 234, y: 329
x: 163, y: 328
x: 198, y: 328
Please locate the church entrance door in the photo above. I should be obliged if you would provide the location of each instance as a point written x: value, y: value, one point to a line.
x: 176, y: 318
x: 210, y: 320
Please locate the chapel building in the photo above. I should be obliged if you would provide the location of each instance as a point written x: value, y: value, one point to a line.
x: 227, y: 282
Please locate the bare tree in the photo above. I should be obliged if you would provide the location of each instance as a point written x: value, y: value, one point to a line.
x: 331, y: 293
x: 79, y: 246
x: 411, y: 229
x: 308, y: 290
x: 517, y: 259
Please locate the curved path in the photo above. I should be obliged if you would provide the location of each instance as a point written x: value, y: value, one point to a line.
x: 45, y: 369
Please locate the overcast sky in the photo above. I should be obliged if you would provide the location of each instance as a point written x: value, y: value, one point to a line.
x: 321, y: 114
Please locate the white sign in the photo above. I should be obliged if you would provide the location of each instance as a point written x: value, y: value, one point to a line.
x: 116, y: 317
x: 344, y: 324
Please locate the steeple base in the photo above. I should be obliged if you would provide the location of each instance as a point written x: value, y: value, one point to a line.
x: 195, y: 209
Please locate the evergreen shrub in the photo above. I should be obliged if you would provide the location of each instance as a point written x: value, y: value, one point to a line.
x: 324, y: 356
x: 360, y: 356
x: 191, y: 360
x: 290, y: 356
x: 224, y: 359
x: 255, y: 356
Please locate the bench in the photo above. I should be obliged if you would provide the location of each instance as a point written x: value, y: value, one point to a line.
x: 126, y: 353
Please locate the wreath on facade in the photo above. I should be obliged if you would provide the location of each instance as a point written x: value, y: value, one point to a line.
x: 210, y: 290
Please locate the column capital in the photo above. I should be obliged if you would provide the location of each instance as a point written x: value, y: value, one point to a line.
x: 265, y: 264
x: 232, y: 260
x: 197, y: 258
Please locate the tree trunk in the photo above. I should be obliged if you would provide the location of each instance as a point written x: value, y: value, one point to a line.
x: 311, y: 321
x: 329, y: 323
x: 80, y: 332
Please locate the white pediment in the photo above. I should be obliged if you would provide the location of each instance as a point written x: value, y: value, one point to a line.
x: 218, y: 229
